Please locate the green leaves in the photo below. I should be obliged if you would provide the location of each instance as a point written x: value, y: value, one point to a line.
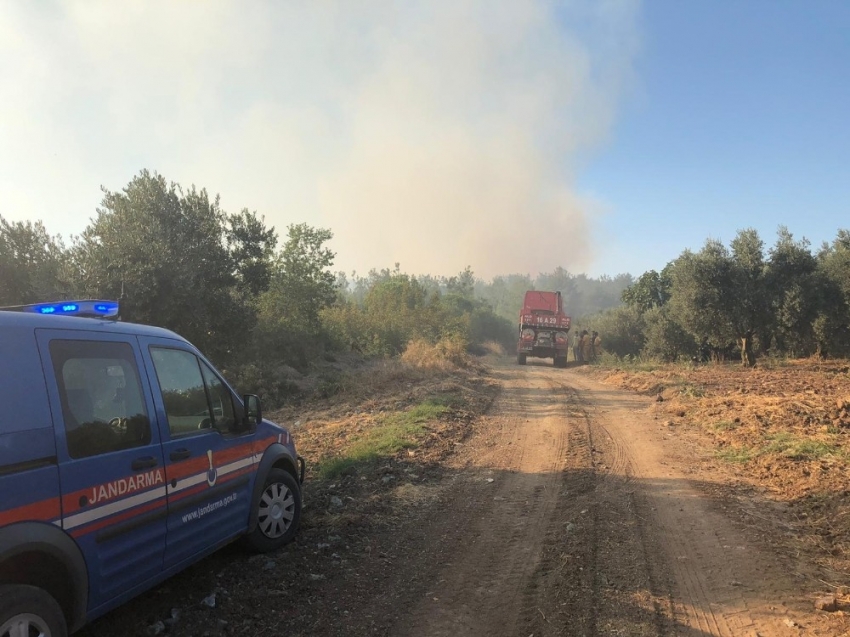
x: 301, y: 285
x: 793, y: 301
x: 650, y: 290
x: 251, y: 247
x: 31, y: 264
x: 164, y: 253
x: 793, y: 285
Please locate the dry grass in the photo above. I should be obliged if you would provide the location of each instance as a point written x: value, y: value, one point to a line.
x: 443, y: 355
x: 376, y: 444
x: 389, y: 434
x: 414, y: 494
x: 493, y: 348
x: 375, y: 376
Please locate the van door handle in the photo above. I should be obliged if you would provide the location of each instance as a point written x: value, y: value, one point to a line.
x: 143, y: 463
x: 180, y: 454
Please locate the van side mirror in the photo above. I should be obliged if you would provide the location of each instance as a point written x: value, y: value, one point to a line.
x: 253, y: 410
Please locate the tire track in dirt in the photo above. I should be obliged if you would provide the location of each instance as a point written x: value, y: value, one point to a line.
x: 722, y: 583
x: 563, y: 514
x: 540, y: 614
x: 695, y: 609
x: 612, y: 589
x: 567, y: 510
x: 482, y: 587
x: 555, y: 546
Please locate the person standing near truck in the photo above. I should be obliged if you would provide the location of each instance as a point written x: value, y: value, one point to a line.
x: 597, y: 345
x: 585, y: 347
x: 577, y: 346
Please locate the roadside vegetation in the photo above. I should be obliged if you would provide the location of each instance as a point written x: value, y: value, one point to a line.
x: 737, y: 303
x: 744, y: 350
x: 266, y: 306
x: 391, y: 434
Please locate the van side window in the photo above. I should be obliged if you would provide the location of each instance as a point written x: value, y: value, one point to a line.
x: 222, y: 402
x: 102, y: 402
x: 183, y: 391
x: 195, y: 398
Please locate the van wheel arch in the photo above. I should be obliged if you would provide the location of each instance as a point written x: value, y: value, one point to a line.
x: 276, y: 456
x: 30, y: 607
x: 42, y: 556
x: 278, y: 512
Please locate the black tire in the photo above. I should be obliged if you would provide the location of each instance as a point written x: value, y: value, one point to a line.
x: 520, y: 359
x: 560, y: 361
x: 30, y: 606
x: 274, y: 530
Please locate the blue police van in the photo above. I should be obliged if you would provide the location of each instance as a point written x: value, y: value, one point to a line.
x: 124, y: 458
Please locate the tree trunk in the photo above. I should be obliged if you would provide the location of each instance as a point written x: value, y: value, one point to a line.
x: 748, y: 358
x: 765, y: 341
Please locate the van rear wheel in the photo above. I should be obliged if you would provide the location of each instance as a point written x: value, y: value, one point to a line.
x: 28, y: 610
x: 278, y: 512
x: 520, y: 359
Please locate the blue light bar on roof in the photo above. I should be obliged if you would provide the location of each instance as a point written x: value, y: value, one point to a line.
x: 88, y: 308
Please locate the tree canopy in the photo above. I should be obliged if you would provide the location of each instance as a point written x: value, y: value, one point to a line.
x: 254, y: 302
x: 788, y: 301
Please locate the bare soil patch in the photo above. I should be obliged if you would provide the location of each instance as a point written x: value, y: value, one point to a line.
x: 779, y: 431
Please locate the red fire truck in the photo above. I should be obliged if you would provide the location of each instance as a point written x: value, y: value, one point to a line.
x: 543, y: 328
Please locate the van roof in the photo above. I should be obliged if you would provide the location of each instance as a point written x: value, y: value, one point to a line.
x: 47, y: 321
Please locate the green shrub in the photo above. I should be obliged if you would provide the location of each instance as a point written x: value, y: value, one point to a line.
x: 621, y: 330
x: 399, y: 309
x: 485, y: 325
x: 269, y: 380
x: 665, y: 338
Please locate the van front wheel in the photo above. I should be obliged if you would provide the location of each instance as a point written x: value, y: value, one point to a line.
x: 278, y: 512
x: 28, y: 610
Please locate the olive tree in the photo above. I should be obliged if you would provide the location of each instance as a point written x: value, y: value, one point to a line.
x: 832, y: 323
x: 652, y: 289
x: 163, y: 252
x: 301, y: 285
x: 794, y: 287
x: 31, y: 264
x: 721, y: 294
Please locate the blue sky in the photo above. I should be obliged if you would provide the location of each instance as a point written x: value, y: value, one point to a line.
x: 739, y: 116
x: 604, y: 136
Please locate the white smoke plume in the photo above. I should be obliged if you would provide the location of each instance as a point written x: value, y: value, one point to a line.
x: 434, y: 133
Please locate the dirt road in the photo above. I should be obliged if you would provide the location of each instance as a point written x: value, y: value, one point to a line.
x: 568, y: 509
x: 576, y: 512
